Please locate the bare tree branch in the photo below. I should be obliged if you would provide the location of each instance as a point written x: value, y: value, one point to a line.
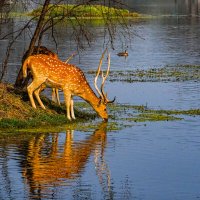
x: 81, y: 33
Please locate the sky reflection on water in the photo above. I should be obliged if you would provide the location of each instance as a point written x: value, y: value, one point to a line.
x: 158, y: 95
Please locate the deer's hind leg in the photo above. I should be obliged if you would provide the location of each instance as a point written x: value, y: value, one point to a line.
x: 37, y: 92
x: 36, y: 83
x: 55, y: 96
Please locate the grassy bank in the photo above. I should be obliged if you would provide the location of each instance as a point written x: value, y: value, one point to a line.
x: 16, y: 111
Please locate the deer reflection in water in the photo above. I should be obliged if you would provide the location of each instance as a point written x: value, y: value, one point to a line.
x: 48, y: 165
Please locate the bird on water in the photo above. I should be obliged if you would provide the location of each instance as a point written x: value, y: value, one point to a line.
x: 125, y: 53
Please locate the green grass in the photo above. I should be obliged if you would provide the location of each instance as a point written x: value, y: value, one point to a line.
x: 42, y: 119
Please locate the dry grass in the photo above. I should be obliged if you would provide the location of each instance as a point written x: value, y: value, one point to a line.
x: 11, y: 104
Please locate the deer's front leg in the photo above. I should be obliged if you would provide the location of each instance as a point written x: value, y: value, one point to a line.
x: 67, y: 103
x: 72, y: 109
x: 57, y: 96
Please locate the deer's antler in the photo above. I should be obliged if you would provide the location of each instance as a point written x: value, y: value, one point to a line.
x: 103, y: 82
x: 97, y: 74
x: 102, y: 93
x: 68, y: 59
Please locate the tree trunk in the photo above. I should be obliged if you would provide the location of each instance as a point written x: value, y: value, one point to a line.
x: 19, y: 79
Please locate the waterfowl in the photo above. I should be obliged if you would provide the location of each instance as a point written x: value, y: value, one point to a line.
x: 125, y: 53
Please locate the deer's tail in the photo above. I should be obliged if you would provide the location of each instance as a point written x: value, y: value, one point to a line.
x: 24, y: 67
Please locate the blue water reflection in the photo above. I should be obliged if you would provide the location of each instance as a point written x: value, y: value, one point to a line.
x: 156, y: 161
x: 159, y: 95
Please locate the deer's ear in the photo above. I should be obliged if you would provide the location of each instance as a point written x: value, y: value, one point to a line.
x: 100, y: 102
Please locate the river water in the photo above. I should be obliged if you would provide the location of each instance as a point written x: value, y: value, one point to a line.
x: 150, y: 160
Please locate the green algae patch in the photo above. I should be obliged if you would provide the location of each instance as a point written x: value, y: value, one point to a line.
x: 191, y: 112
x: 145, y: 109
x: 126, y: 114
x: 152, y: 117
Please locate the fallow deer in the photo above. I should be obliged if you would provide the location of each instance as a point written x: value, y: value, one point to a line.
x: 69, y: 78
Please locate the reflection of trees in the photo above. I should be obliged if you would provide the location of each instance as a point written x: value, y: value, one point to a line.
x: 193, y: 6
x: 5, y: 180
x: 48, y: 165
x: 4, y: 10
x: 185, y: 7
x: 4, y: 28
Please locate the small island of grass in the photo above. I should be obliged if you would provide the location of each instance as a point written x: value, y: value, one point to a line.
x: 85, y: 11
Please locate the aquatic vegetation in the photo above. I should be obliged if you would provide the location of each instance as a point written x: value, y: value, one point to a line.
x: 140, y: 113
x: 178, y: 112
x: 153, y: 117
x: 176, y: 73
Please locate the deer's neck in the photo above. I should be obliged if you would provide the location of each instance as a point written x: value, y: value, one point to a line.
x: 89, y: 96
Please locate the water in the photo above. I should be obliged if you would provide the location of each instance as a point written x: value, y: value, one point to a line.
x: 156, y: 161
x: 151, y: 160
x: 161, y: 42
